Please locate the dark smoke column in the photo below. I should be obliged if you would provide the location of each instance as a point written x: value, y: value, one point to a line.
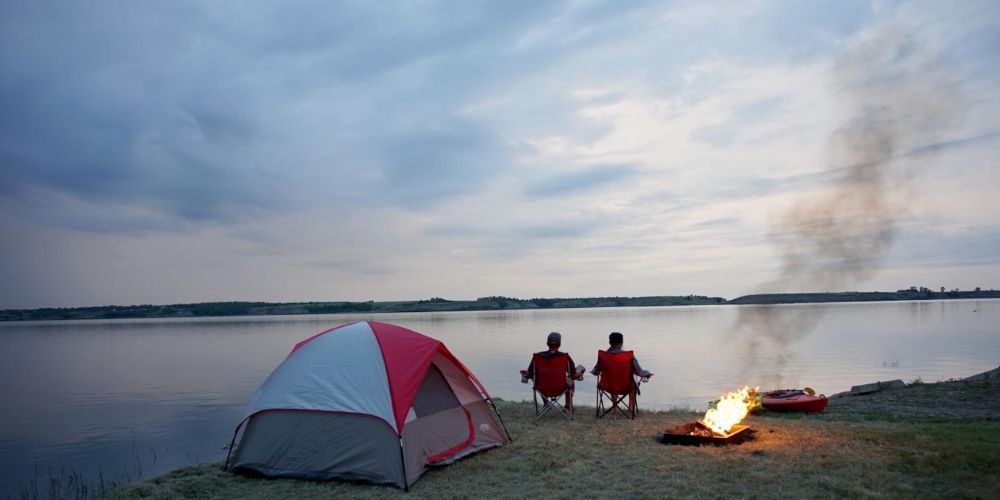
x: 898, y: 97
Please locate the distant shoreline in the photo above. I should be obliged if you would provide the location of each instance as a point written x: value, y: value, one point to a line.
x: 437, y: 304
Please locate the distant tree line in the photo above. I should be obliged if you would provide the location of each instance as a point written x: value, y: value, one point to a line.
x: 235, y: 308
x: 438, y: 304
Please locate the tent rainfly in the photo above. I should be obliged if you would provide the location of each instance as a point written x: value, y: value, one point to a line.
x: 365, y: 401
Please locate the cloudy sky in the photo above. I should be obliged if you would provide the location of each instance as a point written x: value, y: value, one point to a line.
x: 163, y: 152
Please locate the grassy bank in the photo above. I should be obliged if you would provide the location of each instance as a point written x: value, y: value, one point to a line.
x: 916, y: 445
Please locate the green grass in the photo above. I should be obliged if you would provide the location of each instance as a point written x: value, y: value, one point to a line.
x: 803, y: 457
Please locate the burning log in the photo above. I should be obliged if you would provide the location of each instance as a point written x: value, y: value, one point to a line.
x: 731, y: 409
x: 698, y: 433
x: 720, y: 424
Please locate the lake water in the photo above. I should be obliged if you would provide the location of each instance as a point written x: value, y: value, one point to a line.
x: 129, y: 398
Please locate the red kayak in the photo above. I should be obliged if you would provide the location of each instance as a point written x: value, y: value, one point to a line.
x: 793, y: 400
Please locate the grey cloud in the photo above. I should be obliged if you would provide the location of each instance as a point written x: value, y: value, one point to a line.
x: 937, y: 147
x: 206, y: 112
x: 186, y: 108
x: 769, y: 185
x: 764, y: 186
x: 517, y: 240
x: 565, y: 228
x: 88, y: 115
x: 284, y: 119
x: 555, y: 230
x: 221, y: 113
x: 678, y: 202
x: 752, y: 34
x: 354, y: 266
x: 428, y: 165
x: 604, y: 99
x: 721, y: 222
x: 455, y: 231
x: 60, y: 212
x: 918, y: 246
x: 791, y: 31
x: 740, y: 122
x: 580, y: 181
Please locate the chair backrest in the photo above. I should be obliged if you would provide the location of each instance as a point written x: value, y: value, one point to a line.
x: 550, y: 373
x: 615, y: 372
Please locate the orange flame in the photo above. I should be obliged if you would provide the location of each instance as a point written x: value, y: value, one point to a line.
x: 730, y: 410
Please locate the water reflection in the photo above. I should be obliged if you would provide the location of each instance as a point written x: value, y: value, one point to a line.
x: 151, y: 395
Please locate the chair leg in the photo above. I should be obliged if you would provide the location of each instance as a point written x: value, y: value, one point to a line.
x: 568, y: 413
x: 535, y: 397
x: 618, y: 404
x: 545, y: 409
x: 634, y: 401
x: 549, y: 404
x: 615, y: 403
x: 546, y: 406
x: 604, y: 409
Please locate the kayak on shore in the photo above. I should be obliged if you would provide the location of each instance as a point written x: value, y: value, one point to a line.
x: 793, y: 400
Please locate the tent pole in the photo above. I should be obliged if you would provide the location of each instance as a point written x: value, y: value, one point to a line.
x: 402, y: 460
x: 497, y: 411
x: 231, y: 443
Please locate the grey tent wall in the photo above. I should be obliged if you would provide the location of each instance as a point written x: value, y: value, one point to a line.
x: 320, y: 445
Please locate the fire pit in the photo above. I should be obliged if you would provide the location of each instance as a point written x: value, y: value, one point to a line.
x: 697, y: 434
x: 720, y: 424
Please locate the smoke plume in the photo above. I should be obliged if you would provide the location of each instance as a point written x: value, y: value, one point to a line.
x: 897, y: 96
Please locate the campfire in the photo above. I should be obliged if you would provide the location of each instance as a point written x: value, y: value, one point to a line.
x: 720, y: 425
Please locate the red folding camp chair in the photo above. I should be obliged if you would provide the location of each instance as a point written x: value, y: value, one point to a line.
x: 550, y: 384
x: 614, y: 383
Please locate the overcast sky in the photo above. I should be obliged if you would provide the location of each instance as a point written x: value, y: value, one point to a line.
x: 165, y: 152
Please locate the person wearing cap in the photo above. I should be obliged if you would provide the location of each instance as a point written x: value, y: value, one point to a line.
x: 615, y: 341
x: 573, y: 372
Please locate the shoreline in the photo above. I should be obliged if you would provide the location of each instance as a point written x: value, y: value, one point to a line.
x: 251, y: 309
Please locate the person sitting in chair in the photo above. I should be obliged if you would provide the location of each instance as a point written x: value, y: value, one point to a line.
x: 615, y: 340
x: 573, y: 372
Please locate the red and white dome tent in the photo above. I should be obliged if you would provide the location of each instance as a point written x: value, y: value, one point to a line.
x: 365, y: 401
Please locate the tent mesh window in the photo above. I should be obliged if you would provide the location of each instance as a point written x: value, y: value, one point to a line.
x: 434, y: 395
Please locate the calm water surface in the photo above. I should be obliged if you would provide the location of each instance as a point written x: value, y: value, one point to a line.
x: 129, y: 398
